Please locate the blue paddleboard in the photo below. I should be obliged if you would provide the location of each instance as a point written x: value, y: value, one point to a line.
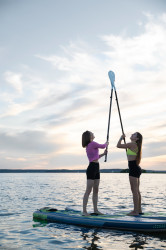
x: 131, y: 223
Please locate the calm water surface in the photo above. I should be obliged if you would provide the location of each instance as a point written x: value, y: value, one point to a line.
x: 22, y: 194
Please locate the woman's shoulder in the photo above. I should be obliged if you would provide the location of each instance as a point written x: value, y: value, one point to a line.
x: 132, y: 145
x: 92, y: 143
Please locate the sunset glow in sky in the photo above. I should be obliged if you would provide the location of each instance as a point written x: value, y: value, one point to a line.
x: 55, y: 57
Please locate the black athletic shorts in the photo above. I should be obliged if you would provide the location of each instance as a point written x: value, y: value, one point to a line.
x: 134, y: 169
x: 93, y: 171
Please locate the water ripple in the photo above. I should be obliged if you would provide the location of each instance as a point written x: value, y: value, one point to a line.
x: 22, y: 194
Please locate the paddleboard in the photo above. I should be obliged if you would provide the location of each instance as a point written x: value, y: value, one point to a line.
x: 114, y: 214
x: 128, y: 223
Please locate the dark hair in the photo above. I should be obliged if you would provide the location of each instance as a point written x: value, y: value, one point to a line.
x: 139, y: 144
x: 86, y: 138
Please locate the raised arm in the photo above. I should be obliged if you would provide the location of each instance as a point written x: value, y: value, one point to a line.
x: 124, y: 145
x: 120, y: 145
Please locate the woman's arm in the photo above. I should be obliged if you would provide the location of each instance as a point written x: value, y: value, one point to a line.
x: 124, y: 145
x: 105, y: 152
x: 97, y: 145
x: 119, y: 144
x: 129, y: 145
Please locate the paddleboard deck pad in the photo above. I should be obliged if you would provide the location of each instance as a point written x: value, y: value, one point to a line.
x: 128, y: 223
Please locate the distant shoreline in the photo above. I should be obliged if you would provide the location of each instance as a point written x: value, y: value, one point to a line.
x: 73, y: 171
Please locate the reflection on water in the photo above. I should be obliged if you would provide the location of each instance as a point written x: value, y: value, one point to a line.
x: 22, y: 194
x: 138, y: 243
x: 92, y: 240
x: 88, y: 238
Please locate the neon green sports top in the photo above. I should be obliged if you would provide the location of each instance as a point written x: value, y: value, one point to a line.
x: 130, y: 152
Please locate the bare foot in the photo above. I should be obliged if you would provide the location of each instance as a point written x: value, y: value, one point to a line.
x: 97, y: 212
x: 133, y: 213
x: 85, y: 214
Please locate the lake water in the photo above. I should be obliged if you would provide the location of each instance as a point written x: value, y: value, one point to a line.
x: 21, y: 194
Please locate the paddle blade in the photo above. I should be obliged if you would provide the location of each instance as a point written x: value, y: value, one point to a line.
x: 111, y: 75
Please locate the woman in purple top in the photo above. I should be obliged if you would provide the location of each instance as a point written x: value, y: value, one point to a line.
x: 93, y: 170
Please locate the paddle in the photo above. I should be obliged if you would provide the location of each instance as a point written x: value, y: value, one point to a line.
x: 112, y: 79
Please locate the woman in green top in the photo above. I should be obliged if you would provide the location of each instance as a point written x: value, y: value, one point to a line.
x: 134, y: 152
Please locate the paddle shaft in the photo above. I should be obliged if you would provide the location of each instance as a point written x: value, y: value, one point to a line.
x: 120, y: 116
x: 109, y: 121
x: 112, y: 79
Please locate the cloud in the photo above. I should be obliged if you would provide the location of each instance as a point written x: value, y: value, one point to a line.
x: 27, y: 142
x: 15, y: 80
x: 28, y: 162
x: 80, y: 65
x: 69, y: 112
x: 139, y: 65
x: 144, y: 49
x: 16, y: 108
x: 154, y: 163
x: 51, y: 112
x: 73, y: 161
x: 155, y: 148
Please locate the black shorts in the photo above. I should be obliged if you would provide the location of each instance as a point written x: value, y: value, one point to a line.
x: 93, y: 171
x: 134, y: 169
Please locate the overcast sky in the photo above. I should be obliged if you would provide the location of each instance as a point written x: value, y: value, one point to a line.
x: 54, y: 61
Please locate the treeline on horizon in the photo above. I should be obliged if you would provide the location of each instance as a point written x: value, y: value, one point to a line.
x: 72, y: 171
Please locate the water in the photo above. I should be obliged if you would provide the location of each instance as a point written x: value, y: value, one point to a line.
x: 22, y: 194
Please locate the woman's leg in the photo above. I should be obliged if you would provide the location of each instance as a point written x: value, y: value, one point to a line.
x: 134, y: 183
x: 95, y: 195
x: 140, y: 209
x: 89, y: 186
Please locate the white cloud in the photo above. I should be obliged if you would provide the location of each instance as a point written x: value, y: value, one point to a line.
x: 155, y: 163
x: 15, y: 109
x: 15, y: 80
x: 27, y: 142
x: 75, y: 96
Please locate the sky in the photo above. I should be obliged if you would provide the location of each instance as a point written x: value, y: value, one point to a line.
x: 54, y: 61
